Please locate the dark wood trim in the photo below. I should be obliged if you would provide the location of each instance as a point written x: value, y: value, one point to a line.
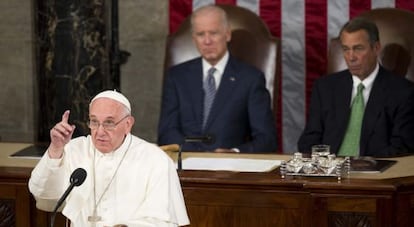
x: 220, y: 198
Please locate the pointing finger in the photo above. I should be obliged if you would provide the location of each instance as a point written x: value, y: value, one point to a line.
x: 65, y: 116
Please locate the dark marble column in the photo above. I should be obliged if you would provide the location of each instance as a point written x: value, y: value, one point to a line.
x: 74, y: 60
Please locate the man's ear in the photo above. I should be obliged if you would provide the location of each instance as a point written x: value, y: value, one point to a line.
x: 228, y: 35
x: 377, y: 47
x: 130, y: 122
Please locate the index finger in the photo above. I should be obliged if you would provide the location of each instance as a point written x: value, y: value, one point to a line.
x: 65, y: 116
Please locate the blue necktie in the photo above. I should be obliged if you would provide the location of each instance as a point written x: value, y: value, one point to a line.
x: 350, y: 143
x: 209, y: 87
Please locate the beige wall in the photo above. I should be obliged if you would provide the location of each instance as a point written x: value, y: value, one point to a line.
x: 17, y: 74
x: 143, y: 29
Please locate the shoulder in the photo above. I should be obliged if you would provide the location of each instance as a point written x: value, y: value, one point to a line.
x: 181, y: 72
x: 334, y: 78
x: 242, y: 67
x: 390, y: 80
x: 244, y: 72
x: 397, y: 87
x: 185, y: 66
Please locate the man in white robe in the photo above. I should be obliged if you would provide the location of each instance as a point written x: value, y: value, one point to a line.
x: 129, y: 181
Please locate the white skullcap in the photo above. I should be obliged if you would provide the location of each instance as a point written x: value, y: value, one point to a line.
x: 114, y: 95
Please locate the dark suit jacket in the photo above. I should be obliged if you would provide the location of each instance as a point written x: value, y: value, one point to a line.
x: 388, y: 122
x: 240, y: 117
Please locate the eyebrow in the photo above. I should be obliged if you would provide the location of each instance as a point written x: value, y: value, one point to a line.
x: 108, y: 118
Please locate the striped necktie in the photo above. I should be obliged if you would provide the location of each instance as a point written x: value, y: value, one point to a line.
x: 209, y: 87
x: 350, y: 143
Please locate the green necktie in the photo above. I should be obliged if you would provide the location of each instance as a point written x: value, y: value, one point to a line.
x: 350, y: 144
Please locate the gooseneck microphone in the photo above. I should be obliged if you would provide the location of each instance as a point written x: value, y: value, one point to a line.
x: 207, y: 139
x: 76, y: 178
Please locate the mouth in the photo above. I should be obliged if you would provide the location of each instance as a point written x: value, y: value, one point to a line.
x: 101, y: 141
x: 209, y: 49
x: 354, y: 68
x: 208, y: 52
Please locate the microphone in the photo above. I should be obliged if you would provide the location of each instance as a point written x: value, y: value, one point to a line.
x: 207, y: 139
x: 76, y: 178
x: 179, y: 159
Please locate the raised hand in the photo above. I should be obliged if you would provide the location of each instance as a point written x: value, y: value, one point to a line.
x: 60, y: 135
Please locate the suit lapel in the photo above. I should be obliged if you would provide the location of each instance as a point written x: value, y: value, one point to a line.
x: 373, y: 108
x: 196, y: 92
x: 343, y: 93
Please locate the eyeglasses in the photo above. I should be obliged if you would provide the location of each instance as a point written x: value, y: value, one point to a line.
x: 107, y: 125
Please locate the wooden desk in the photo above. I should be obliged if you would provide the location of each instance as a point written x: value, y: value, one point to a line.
x: 17, y: 206
x: 220, y: 198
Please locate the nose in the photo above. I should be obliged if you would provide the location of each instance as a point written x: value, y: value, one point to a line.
x: 100, y: 129
x: 207, y: 39
x: 352, y: 56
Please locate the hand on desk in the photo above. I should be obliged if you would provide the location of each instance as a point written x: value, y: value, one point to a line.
x: 224, y: 150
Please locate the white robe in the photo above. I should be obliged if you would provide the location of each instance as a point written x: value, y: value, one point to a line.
x: 145, y: 191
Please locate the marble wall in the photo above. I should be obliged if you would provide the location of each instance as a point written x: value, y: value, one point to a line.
x: 143, y: 27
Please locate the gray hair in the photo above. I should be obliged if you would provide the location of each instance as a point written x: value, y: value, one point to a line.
x: 360, y: 23
x: 211, y: 8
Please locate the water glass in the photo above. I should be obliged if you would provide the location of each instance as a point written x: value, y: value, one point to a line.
x: 321, y: 150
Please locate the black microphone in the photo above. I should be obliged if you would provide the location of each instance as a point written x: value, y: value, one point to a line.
x: 207, y: 139
x: 77, y: 178
x: 179, y: 159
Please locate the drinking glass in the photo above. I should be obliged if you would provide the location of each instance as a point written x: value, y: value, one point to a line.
x: 321, y: 150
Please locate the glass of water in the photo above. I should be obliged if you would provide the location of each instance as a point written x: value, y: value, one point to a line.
x: 321, y: 150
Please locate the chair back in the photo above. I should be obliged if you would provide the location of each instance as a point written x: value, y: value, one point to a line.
x: 396, y: 28
x: 251, y: 42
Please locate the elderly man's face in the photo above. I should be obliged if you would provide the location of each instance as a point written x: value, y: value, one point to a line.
x: 210, y: 36
x: 360, y: 55
x: 109, y: 112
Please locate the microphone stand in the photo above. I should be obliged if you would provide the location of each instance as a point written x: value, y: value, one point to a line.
x: 77, y: 178
x: 59, y: 203
x: 179, y: 159
x: 208, y: 139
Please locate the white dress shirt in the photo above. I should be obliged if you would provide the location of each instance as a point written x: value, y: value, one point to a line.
x: 220, y: 66
x: 367, y: 82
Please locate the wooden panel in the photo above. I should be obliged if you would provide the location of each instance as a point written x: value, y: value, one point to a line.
x: 404, y: 209
x: 7, y: 212
x: 351, y: 219
x: 241, y: 198
x: 15, y: 198
x: 17, y: 206
x: 244, y: 207
x: 216, y: 216
x: 351, y: 209
x: 354, y: 204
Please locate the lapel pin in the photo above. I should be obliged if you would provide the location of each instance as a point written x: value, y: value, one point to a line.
x: 232, y: 79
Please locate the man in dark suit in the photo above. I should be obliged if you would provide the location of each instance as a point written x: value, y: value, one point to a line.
x: 386, y: 124
x: 229, y: 104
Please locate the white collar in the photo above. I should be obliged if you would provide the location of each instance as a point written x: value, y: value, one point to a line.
x: 368, y: 81
x: 219, y: 66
